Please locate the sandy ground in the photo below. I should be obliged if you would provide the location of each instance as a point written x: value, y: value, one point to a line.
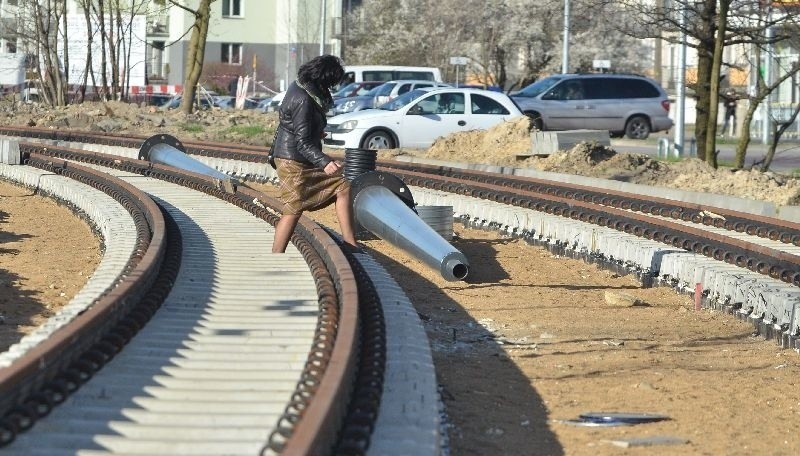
x: 528, y: 341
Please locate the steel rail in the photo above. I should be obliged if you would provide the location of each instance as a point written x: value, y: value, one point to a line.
x: 767, y: 227
x: 43, y: 376
x: 761, y: 259
x: 330, y: 371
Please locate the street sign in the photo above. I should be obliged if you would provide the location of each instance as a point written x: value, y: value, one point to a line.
x: 605, y: 64
x: 458, y: 60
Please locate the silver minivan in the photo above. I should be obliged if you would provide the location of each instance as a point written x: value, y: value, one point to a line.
x: 620, y: 103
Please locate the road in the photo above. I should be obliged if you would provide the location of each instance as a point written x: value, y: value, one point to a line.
x: 786, y: 161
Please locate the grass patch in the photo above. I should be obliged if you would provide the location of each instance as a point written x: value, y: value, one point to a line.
x: 246, y: 130
x: 192, y: 127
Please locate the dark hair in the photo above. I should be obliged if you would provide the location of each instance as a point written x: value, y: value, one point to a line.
x: 324, y: 72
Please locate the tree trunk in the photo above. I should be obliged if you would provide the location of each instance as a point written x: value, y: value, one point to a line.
x: 194, y: 59
x: 703, y: 102
x: 705, y: 51
x: 101, y: 19
x: 63, y: 82
x: 744, y: 135
x: 779, y: 129
x: 89, y: 41
x: 713, y: 95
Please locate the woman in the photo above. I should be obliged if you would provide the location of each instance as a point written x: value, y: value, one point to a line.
x: 309, y: 179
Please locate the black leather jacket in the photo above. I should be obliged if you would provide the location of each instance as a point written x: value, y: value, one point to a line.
x: 302, y: 122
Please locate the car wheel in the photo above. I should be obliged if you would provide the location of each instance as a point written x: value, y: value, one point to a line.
x: 637, y: 127
x: 536, y: 121
x: 378, y: 140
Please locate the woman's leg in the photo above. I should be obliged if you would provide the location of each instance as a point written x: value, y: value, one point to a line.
x: 344, y: 212
x: 283, y: 232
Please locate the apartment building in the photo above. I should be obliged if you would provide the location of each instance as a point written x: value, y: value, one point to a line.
x: 267, y: 39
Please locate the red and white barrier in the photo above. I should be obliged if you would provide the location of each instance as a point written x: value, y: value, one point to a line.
x: 171, y: 89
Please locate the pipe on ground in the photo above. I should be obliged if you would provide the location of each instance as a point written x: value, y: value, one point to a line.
x: 168, y: 150
x: 382, y: 205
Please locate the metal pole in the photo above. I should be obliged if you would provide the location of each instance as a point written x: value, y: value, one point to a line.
x: 565, y: 52
x: 680, y: 107
x: 322, y: 27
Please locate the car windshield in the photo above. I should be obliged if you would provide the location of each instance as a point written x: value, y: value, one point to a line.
x: 402, y: 100
x: 538, y: 87
x: 345, y: 90
x: 383, y: 89
x: 373, y: 91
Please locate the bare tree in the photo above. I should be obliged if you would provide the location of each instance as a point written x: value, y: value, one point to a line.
x: 197, y: 48
x: 41, y: 24
x: 508, y: 42
x: 761, y: 92
x: 710, y: 25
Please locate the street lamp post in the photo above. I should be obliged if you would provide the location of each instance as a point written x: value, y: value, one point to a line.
x: 680, y: 107
x: 323, y: 13
x: 565, y: 52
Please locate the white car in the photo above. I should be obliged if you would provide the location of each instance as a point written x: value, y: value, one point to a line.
x: 417, y: 118
x: 274, y: 102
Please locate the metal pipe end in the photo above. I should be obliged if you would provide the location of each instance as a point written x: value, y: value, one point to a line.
x: 149, y: 143
x: 455, y: 267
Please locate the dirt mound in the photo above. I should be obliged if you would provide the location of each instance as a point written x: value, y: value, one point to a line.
x: 498, y: 145
x: 501, y: 144
x: 241, y: 127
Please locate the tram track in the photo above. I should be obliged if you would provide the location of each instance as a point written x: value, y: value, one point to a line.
x: 334, y: 320
x: 749, y: 243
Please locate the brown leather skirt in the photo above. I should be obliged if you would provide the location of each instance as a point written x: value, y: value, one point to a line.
x: 305, y: 188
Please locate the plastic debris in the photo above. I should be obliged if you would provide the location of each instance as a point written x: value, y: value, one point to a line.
x: 629, y: 418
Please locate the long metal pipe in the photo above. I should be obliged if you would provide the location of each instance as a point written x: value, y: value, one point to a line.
x: 381, y: 212
x: 167, y: 150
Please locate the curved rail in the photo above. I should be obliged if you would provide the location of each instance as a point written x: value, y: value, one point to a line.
x: 331, y: 366
x: 43, y: 376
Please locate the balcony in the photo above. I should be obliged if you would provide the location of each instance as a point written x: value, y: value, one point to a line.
x: 158, y: 25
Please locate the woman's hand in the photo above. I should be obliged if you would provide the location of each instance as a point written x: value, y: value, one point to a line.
x: 332, y: 167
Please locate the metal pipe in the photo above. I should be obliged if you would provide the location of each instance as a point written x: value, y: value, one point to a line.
x: 168, y: 150
x: 380, y: 211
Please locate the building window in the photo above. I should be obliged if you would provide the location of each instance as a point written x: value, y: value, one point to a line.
x: 232, y: 8
x: 232, y: 53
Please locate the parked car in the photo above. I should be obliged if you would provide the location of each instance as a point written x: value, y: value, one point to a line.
x: 262, y: 105
x: 358, y: 73
x: 380, y: 95
x: 157, y: 99
x: 175, y: 102
x: 355, y: 89
x: 620, y: 103
x: 228, y: 102
x: 416, y: 118
x: 274, y: 102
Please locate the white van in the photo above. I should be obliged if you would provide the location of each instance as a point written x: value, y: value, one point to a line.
x: 360, y: 73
